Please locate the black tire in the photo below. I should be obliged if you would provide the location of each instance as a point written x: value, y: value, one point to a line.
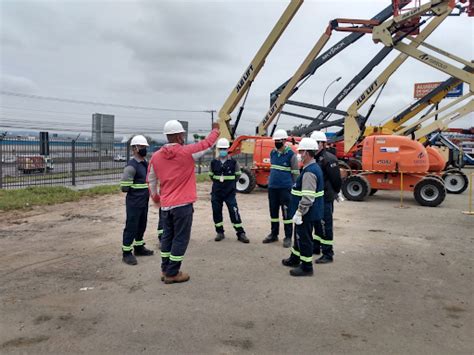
x: 262, y: 186
x: 344, y: 167
x: 372, y: 192
x: 455, y: 181
x: 355, y: 164
x: 356, y: 188
x: 246, y: 182
x: 429, y: 192
x: 436, y: 177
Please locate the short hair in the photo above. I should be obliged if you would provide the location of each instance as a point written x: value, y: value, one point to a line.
x: 312, y: 153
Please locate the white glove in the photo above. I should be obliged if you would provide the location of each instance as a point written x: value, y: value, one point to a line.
x: 298, y: 218
x: 340, y: 197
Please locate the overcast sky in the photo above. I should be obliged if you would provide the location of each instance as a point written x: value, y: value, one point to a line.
x: 186, y: 55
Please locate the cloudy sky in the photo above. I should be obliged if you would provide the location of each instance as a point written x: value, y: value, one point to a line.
x: 185, y: 55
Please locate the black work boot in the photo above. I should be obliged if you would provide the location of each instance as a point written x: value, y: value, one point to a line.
x: 270, y: 239
x: 325, y: 259
x: 142, y: 251
x: 287, y: 242
x: 292, y: 261
x: 241, y: 237
x: 299, y: 271
x: 219, y: 236
x: 129, y: 259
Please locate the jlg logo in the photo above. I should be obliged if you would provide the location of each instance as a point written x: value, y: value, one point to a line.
x: 244, y: 78
x: 270, y: 113
x: 424, y: 57
x: 432, y: 61
x: 367, y: 92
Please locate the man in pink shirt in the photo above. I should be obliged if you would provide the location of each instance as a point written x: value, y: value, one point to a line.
x: 172, y: 170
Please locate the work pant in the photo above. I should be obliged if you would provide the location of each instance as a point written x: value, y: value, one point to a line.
x: 323, y: 233
x: 230, y: 200
x: 177, y: 224
x: 280, y: 198
x: 135, y: 227
x: 160, y: 226
x: 303, y: 245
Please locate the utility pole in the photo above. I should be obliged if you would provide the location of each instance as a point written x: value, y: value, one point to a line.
x: 212, y: 115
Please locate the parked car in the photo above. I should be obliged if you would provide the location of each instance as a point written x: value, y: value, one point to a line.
x: 9, y: 159
x: 119, y: 157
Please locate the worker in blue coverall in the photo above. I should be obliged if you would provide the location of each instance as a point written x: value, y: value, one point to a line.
x: 224, y: 172
x: 283, y: 172
x: 134, y: 184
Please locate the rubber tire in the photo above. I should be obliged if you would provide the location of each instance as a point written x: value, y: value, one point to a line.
x: 436, y: 177
x: 465, y: 181
x: 372, y: 192
x: 343, y: 165
x: 434, y: 183
x: 248, y: 176
x: 355, y: 164
x: 361, y: 183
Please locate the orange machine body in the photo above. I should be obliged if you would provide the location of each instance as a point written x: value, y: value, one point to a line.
x: 394, y: 153
x: 261, y: 154
x: 436, y: 159
x: 385, y: 157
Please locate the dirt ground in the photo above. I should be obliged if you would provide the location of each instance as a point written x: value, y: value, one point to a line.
x: 402, y: 282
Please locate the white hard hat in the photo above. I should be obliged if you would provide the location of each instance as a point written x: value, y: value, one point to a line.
x: 173, y: 127
x: 319, y: 136
x: 223, y: 143
x: 280, y: 134
x: 308, y: 144
x: 139, y: 140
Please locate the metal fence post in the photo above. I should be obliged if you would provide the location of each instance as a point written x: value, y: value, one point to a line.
x: 73, y: 162
x: 100, y: 155
x: 1, y: 162
x: 127, y: 154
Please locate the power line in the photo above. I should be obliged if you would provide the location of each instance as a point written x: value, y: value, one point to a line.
x: 50, y: 126
x: 97, y: 103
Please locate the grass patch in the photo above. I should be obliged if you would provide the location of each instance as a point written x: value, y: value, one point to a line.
x: 202, y: 177
x: 100, y: 190
x: 48, y: 195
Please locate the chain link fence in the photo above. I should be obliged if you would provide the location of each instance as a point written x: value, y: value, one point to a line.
x: 24, y: 162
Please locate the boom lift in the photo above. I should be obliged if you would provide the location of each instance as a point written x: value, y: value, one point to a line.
x: 243, y: 144
x: 258, y: 145
x: 381, y: 33
x: 441, y: 13
x: 455, y: 180
x: 396, y: 123
x: 243, y: 85
x: 332, y: 52
x: 385, y: 159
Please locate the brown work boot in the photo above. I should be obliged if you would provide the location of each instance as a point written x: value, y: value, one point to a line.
x: 179, y: 277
